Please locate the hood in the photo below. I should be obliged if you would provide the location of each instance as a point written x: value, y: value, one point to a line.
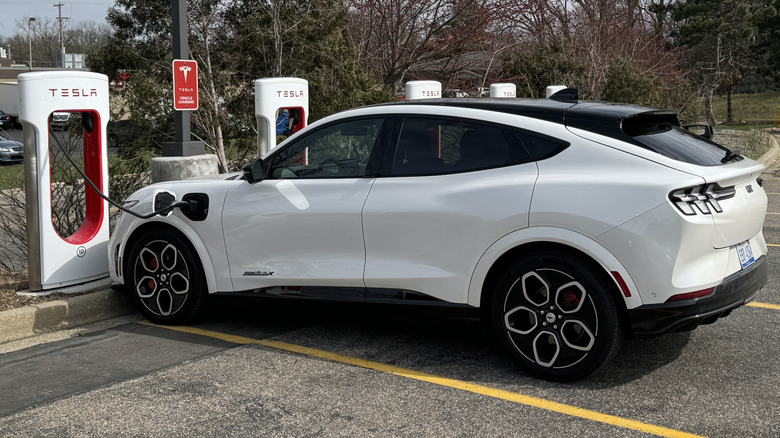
x: 221, y: 176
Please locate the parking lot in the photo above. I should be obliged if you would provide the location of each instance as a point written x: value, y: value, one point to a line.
x: 288, y: 369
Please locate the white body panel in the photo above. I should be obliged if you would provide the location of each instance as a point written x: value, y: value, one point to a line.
x: 432, y: 240
x: 306, y: 232
x: 206, y: 236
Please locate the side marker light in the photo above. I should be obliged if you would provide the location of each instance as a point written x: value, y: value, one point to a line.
x: 622, y: 284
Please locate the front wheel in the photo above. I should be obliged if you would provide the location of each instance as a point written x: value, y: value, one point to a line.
x: 165, y: 278
x: 556, y: 318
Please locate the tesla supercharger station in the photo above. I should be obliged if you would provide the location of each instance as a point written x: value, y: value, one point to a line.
x: 422, y: 90
x: 55, y: 260
x: 274, y: 95
x: 503, y: 90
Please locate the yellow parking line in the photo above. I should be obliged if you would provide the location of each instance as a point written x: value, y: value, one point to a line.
x: 443, y: 381
x: 763, y: 305
x: 772, y: 244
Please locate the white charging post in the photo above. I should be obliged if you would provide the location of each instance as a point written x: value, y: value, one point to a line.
x: 55, y: 260
x: 273, y: 95
x: 422, y: 90
x: 503, y: 90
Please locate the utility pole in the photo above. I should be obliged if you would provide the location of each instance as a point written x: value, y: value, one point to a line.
x: 60, y: 18
x: 29, y: 38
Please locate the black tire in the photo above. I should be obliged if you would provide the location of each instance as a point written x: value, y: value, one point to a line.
x: 165, y: 278
x: 557, y: 319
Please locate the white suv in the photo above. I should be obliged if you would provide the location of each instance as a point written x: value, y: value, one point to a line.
x: 571, y: 225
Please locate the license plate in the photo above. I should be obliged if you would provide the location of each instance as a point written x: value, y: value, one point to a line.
x: 745, y: 254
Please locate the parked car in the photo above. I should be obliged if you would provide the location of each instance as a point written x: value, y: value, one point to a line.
x: 11, y: 151
x: 572, y: 226
x: 58, y: 121
x: 5, y: 120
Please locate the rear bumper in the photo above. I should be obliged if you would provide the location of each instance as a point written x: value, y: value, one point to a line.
x: 736, y: 290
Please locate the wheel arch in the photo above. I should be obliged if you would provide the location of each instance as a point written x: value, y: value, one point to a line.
x: 201, y: 252
x: 501, y: 254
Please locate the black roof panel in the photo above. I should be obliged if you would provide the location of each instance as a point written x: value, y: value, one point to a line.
x: 588, y: 115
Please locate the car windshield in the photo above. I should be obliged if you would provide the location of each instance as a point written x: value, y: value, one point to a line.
x: 676, y: 143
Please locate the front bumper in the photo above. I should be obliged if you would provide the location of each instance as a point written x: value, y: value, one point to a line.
x: 736, y: 290
x: 11, y: 156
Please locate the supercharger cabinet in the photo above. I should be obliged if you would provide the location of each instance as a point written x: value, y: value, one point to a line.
x: 503, y: 90
x: 422, y: 90
x: 75, y: 104
x: 279, y: 101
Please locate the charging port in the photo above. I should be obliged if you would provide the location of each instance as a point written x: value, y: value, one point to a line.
x: 198, y: 208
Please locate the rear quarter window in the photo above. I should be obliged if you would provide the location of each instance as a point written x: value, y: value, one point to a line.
x: 540, y: 147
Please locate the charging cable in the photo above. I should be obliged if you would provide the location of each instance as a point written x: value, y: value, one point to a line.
x: 87, y: 122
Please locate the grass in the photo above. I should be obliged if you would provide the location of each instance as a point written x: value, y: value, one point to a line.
x: 11, y: 176
x: 751, y: 111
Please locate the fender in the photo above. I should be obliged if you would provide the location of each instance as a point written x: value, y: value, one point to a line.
x: 203, y: 254
x: 549, y: 234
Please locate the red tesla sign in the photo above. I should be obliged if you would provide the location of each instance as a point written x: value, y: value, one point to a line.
x: 185, y: 85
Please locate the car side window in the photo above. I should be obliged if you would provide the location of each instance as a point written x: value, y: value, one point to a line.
x: 541, y: 147
x: 341, y: 150
x: 430, y: 146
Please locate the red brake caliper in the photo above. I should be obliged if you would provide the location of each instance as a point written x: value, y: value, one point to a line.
x: 571, y: 299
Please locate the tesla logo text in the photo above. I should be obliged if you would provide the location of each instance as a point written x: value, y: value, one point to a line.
x: 430, y: 93
x: 73, y: 92
x: 289, y: 93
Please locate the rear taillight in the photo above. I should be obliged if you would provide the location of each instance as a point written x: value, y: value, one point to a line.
x: 705, y: 198
x: 692, y: 295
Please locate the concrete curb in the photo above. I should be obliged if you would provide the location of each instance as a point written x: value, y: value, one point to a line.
x: 71, y: 312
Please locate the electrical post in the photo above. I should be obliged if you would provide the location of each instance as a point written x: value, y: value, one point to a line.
x: 183, y: 157
x: 182, y: 146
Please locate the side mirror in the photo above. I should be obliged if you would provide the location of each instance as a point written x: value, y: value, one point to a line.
x: 701, y: 130
x: 253, y: 171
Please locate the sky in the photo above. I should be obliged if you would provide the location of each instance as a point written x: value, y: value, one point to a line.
x: 77, y: 10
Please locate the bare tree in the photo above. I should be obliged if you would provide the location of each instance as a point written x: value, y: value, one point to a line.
x: 396, y: 35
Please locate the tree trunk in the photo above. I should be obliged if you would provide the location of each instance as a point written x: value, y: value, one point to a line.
x: 708, y: 108
x: 219, y: 140
x: 729, y: 107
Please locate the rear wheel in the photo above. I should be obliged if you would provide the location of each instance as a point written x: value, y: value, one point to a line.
x: 166, y: 278
x: 556, y: 318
